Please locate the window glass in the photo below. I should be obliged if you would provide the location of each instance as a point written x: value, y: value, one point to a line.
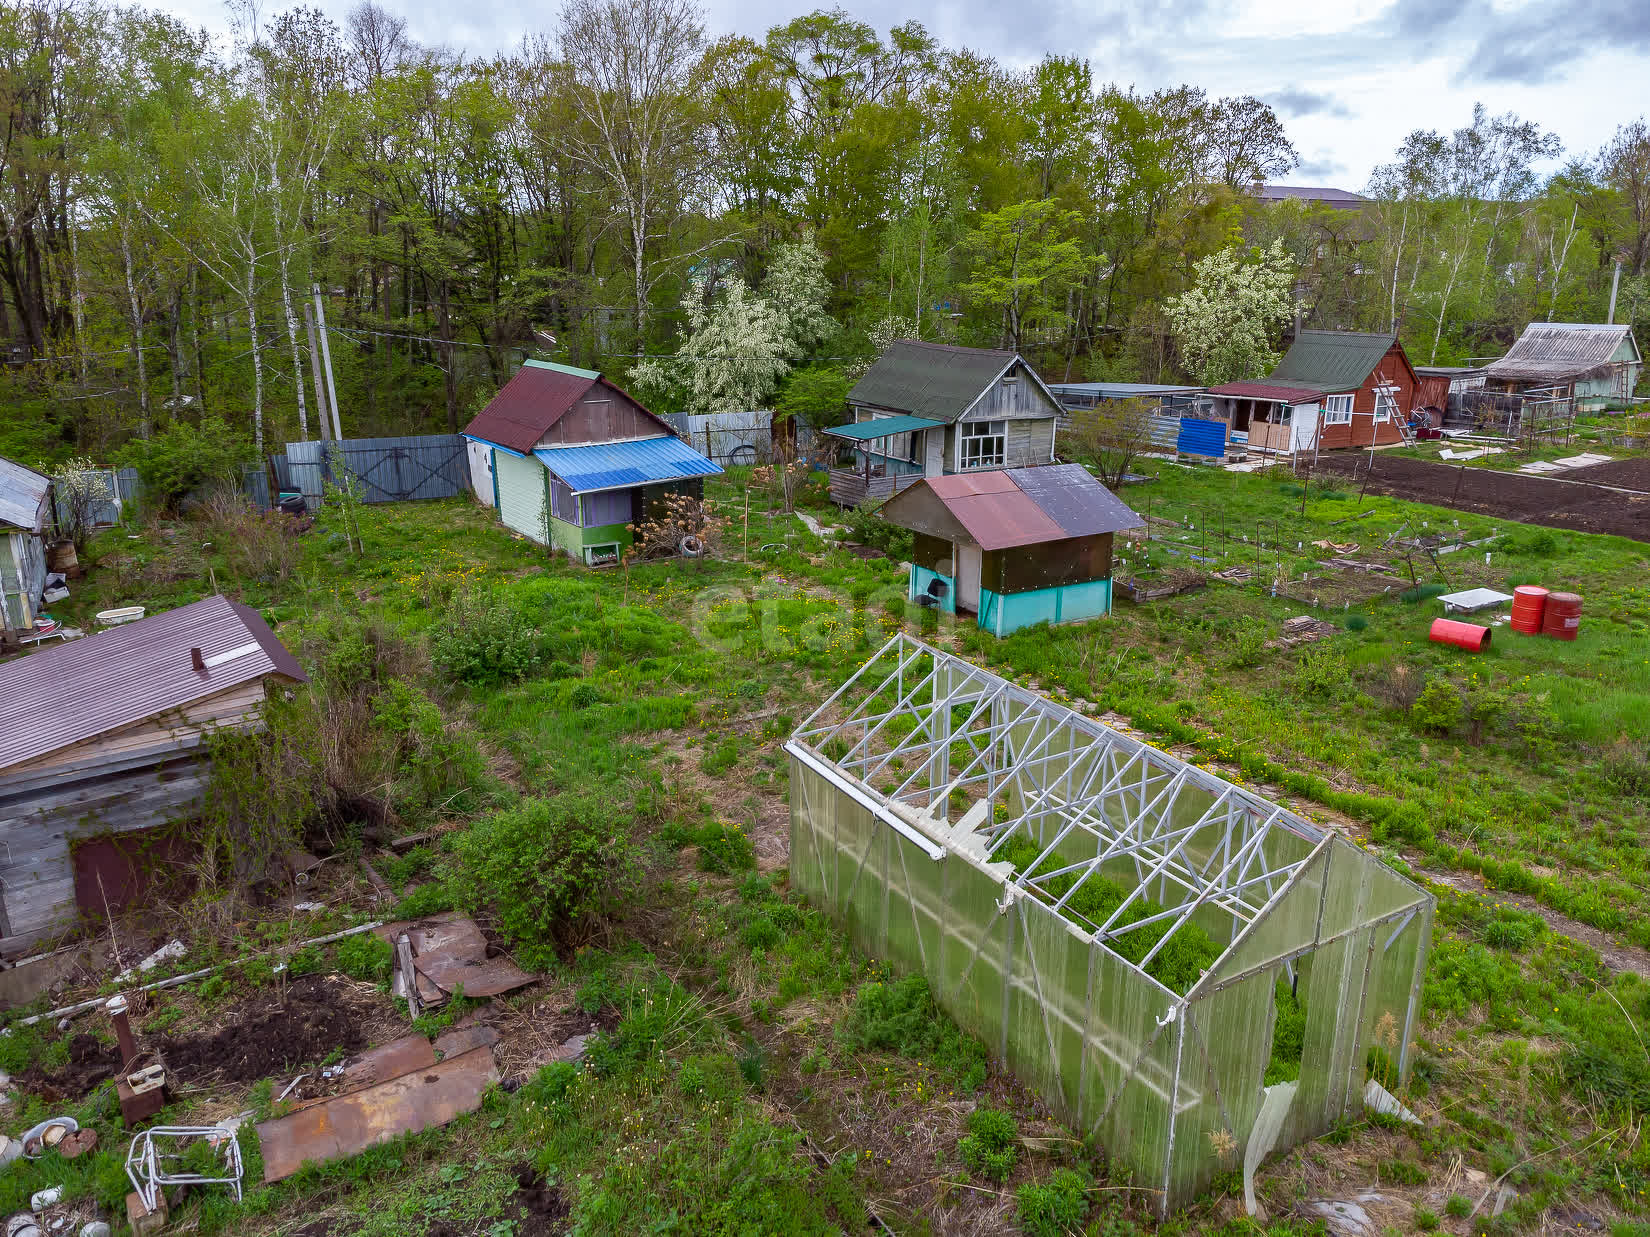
x: 1386, y: 403
x: 981, y: 444
x: 1337, y: 410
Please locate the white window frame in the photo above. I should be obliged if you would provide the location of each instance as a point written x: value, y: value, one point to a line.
x: 1386, y: 402
x: 985, y: 432
x: 1337, y: 410
x: 613, y: 546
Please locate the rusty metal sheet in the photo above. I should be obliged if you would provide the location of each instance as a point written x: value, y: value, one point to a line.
x: 449, y: 950
x: 391, y: 1060
x: 462, y: 1039
x: 346, y: 1125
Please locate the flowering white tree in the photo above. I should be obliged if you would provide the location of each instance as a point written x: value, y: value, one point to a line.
x: 1226, y: 322
x: 741, y: 346
x: 79, y: 486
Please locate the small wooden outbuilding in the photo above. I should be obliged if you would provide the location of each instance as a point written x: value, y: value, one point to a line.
x: 1013, y: 546
x: 572, y: 461
x: 103, y: 737
x: 25, y: 509
x: 1592, y: 364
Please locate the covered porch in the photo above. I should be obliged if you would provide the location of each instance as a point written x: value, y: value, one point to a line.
x: 890, y: 455
x: 1277, y: 420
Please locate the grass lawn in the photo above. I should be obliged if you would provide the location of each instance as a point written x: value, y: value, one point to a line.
x: 755, y: 1073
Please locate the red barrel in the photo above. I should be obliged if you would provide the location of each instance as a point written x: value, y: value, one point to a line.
x: 1562, y: 619
x: 1469, y: 636
x: 1529, y: 606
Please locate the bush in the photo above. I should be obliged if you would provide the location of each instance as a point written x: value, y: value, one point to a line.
x: 901, y: 1017
x: 1437, y: 709
x: 182, y: 461
x: 431, y: 760
x: 1056, y: 1207
x: 1321, y: 672
x: 991, y: 1145
x: 1357, y: 622
x: 866, y: 527
x: 364, y: 957
x: 551, y: 869
x: 483, y: 641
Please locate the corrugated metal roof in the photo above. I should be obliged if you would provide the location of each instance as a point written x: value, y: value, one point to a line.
x: 82, y: 688
x: 929, y: 380
x: 1331, y: 360
x: 530, y: 403
x: 22, y: 496
x: 1268, y: 390
x: 620, y: 465
x: 1012, y: 507
x: 1556, y: 351
x: 862, y: 431
x: 1341, y: 199
x: 1117, y: 390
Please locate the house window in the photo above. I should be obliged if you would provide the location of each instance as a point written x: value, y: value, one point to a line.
x: 1386, y: 403
x: 1337, y: 410
x: 982, y: 444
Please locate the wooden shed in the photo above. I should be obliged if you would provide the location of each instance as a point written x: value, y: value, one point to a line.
x: 1592, y: 364
x: 25, y: 509
x: 1014, y: 546
x: 574, y: 461
x: 104, y: 736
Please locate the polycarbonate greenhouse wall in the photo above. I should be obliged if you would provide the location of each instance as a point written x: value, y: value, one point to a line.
x: 909, y: 782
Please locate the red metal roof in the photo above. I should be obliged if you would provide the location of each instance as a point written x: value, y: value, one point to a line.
x: 82, y: 688
x: 1005, y: 508
x: 529, y: 404
x: 1269, y: 391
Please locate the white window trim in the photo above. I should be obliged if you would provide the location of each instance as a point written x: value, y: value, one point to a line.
x: 1386, y: 412
x: 1002, y: 461
x: 1334, y: 413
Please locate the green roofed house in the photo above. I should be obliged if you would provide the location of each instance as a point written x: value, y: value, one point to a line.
x: 929, y: 410
x: 1014, y: 546
x: 574, y: 461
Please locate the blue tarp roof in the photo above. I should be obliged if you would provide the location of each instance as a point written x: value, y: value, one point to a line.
x: 882, y: 427
x: 621, y: 465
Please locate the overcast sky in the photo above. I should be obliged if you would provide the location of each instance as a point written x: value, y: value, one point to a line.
x: 1349, y: 77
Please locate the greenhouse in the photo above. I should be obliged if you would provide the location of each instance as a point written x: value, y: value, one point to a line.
x: 1182, y: 969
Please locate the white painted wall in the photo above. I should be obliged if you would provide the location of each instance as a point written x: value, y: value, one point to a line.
x: 521, y: 495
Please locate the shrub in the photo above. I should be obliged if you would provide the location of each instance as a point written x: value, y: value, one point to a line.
x: 901, y: 1017
x: 483, y: 641
x: 431, y: 759
x: 550, y: 868
x: 181, y: 461
x: 1248, y: 650
x: 1357, y: 622
x: 991, y: 1145
x: 1321, y: 672
x: 1437, y: 709
x: 364, y: 957
x: 1056, y: 1207
x: 866, y: 527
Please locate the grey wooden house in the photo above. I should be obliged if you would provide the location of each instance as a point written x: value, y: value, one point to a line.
x: 930, y: 410
x: 102, y: 739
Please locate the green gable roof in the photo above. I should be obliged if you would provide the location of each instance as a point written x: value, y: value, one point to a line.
x: 936, y: 381
x: 1331, y: 360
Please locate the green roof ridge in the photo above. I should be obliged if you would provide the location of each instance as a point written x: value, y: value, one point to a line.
x: 564, y: 369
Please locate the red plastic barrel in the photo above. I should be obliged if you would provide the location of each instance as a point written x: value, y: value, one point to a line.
x: 1469, y: 636
x: 1529, y: 606
x: 1562, y: 619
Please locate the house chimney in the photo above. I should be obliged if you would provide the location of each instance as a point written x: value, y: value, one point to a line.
x: 197, y: 661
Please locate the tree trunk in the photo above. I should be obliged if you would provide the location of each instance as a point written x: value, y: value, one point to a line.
x: 257, y: 358
x: 297, y: 357
x: 137, y: 328
x: 449, y: 376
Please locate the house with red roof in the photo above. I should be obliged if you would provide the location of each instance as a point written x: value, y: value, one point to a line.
x: 1332, y: 389
x: 570, y: 460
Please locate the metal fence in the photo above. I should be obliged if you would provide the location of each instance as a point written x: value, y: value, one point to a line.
x: 728, y: 437
x: 126, y: 493
x: 387, y: 469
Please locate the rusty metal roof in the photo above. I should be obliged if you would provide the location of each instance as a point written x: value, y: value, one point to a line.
x: 1561, y: 351
x: 529, y: 404
x: 84, y: 688
x: 1012, y: 507
x: 1268, y: 391
x: 22, y: 496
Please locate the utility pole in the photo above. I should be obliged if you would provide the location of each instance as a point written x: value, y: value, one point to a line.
x: 1615, y: 286
x: 315, y: 369
x: 326, y: 359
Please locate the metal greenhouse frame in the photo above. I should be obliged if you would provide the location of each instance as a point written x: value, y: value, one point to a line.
x: 907, y: 784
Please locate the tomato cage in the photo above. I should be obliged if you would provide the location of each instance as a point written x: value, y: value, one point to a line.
x: 1144, y: 943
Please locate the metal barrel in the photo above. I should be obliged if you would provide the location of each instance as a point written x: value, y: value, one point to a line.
x: 1469, y: 636
x: 1529, y: 607
x: 1562, y: 619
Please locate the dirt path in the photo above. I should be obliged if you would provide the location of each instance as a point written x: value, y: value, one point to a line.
x: 1577, y: 502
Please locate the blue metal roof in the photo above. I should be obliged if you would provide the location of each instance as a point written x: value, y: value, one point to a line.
x: 621, y: 465
x: 1117, y: 390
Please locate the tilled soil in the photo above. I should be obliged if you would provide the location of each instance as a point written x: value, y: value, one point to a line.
x: 1629, y: 474
x: 90, y: 1062
x: 267, y: 1036
x: 1571, y: 503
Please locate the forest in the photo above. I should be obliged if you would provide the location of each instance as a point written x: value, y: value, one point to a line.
x: 614, y: 186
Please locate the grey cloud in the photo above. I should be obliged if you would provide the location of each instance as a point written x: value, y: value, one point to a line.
x: 1296, y: 102
x: 1541, y: 42
x: 1321, y: 169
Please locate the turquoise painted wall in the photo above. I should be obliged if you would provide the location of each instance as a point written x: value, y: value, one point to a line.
x: 920, y: 578
x: 1001, y: 613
